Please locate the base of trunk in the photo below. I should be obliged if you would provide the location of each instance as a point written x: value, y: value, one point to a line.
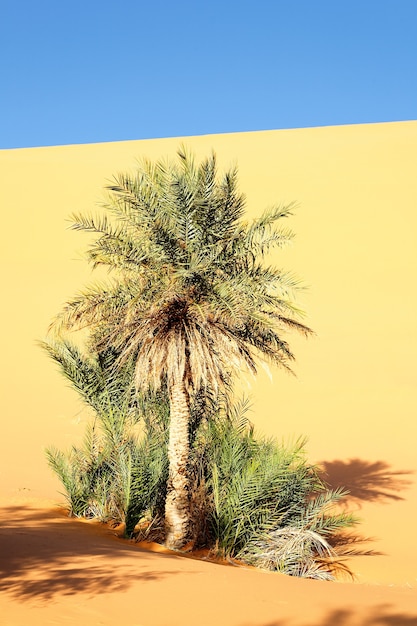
x: 176, y: 521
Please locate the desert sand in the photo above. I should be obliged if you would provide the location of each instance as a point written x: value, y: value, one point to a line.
x: 354, y: 397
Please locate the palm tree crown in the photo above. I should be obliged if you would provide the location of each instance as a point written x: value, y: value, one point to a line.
x: 192, y: 299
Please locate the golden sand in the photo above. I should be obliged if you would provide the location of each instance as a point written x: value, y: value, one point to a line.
x: 354, y: 396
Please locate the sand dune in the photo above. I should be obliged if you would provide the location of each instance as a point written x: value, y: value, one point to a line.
x: 59, y: 571
x: 354, y: 397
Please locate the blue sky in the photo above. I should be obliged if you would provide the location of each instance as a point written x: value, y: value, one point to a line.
x: 94, y: 71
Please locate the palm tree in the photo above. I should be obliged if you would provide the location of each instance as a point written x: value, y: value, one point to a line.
x: 192, y: 299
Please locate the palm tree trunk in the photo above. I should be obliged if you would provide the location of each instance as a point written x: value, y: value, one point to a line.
x: 177, y: 504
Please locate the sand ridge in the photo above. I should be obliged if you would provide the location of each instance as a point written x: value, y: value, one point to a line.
x: 354, y: 397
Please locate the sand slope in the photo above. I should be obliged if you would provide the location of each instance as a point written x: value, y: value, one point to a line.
x: 354, y: 397
x: 58, y: 571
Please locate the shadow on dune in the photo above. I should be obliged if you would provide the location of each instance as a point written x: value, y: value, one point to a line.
x: 43, y: 553
x: 366, y: 481
x: 378, y: 616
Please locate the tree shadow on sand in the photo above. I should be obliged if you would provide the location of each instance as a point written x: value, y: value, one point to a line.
x: 381, y: 615
x: 43, y: 553
x: 366, y: 481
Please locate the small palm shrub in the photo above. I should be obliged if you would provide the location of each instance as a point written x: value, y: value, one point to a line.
x: 97, y: 475
x: 76, y: 482
x: 113, y: 478
x: 149, y: 471
x: 118, y: 473
x: 265, y: 504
